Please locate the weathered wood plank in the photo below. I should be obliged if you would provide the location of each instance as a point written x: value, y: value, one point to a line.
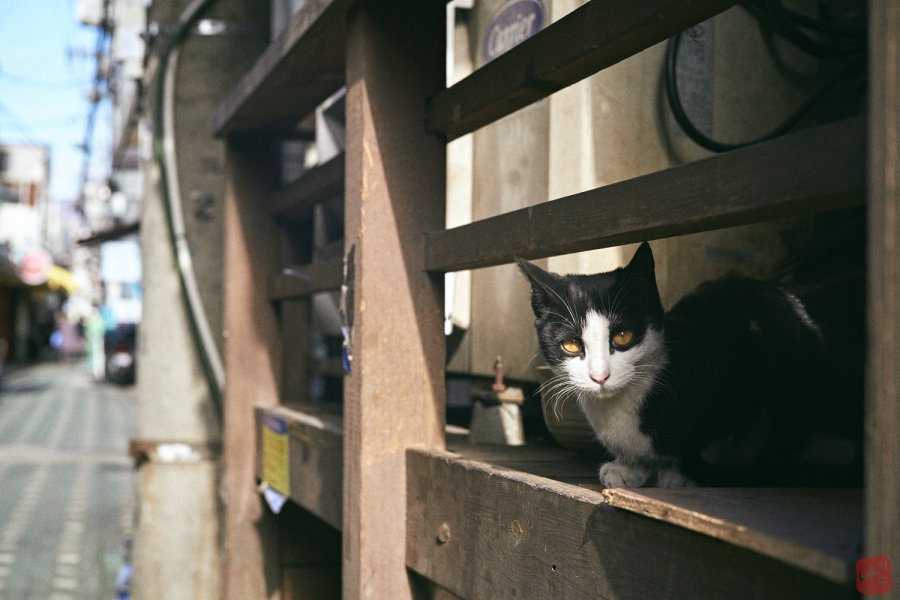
x: 305, y: 280
x: 487, y: 532
x: 883, y: 371
x: 812, y: 170
x: 295, y: 73
x: 394, y: 394
x: 297, y: 199
x: 819, y: 530
x: 252, y: 358
x: 295, y: 349
x: 316, y: 457
x: 591, y: 38
x: 310, y: 556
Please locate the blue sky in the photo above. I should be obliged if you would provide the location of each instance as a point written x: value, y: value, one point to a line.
x: 46, y: 71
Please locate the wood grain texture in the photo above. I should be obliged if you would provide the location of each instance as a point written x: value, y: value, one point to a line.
x: 310, y: 556
x: 591, y: 38
x: 315, y: 446
x: 323, y: 182
x: 812, y: 170
x: 819, y: 531
x: 487, y: 532
x: 394, y: 395
x: 295, y: 73
x: 883, y: 375
x: 294, y: 318
x: 252, y: 360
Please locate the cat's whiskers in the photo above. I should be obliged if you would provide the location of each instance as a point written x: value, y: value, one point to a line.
x: 564, y: 320
x: 556, y: 391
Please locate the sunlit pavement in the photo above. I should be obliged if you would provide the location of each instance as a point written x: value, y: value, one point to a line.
x: 66, y: 483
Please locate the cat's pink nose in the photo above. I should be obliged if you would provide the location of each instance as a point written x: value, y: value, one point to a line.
x: 601, y: 378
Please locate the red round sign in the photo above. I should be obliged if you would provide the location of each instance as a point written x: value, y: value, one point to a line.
x: 35, y: 267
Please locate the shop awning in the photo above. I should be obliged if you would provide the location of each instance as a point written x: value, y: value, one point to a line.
x: 59, y: 278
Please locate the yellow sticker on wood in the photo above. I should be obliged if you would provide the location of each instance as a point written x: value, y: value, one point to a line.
x: 276, y: 463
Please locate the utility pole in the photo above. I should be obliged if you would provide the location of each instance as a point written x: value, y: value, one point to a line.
x: 177, y: 547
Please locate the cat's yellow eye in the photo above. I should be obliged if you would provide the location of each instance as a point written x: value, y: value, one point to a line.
x: 572, y: 346
x: 622, y: 338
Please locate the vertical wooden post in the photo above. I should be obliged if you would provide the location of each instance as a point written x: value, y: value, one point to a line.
x: 395, y: 179
x: 295, y: 350
x: 252, y: 361
x: 294, y: 316
x: 883, y: 378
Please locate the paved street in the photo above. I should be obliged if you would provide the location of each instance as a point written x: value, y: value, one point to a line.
x: 66, y: 483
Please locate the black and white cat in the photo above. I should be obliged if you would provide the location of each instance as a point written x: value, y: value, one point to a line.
x: 720, y: 390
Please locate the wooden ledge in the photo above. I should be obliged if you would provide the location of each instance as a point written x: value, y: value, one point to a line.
x: 319, y: 184
x: 294, y: 74
x: 818, y: 530
x: 315, y: 457
x: 481, y: 530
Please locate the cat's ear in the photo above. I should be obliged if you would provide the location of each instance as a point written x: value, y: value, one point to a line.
x: 642, y: 261
x: 538, y: 276
x: 546, y: 287
x: 641, y: 271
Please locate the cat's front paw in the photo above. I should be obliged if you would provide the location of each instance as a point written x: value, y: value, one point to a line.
x: 669, y: 478
x: 616, y: 475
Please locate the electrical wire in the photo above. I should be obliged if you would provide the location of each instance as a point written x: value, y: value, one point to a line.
x: 835, y: 40
x: 36, y: 84
x: 20, y: 127
x: 789, y: 24
x: 164, y: 152
x: 100, y: 87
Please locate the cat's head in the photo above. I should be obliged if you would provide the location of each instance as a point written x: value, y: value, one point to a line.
x: 602, y: 333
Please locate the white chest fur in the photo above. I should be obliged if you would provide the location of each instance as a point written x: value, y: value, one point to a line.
x: 617, y: 425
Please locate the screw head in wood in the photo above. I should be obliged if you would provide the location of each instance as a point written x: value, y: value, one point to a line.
x: 443, y: 534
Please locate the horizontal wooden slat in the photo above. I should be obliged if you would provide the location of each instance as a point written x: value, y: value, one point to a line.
x: 306, y: 280
x: 315, y: 455
x: 489, y: 532
x: 333, y: 249
x: 321, y: 183
x: 816, y: 530
x: 591, y: 38
x: 813, y: 170
x: 296, y: 72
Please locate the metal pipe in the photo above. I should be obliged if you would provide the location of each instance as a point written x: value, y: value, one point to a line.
x: 164, y: 152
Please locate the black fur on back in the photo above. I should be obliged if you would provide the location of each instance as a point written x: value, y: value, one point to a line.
x: 744, y: 363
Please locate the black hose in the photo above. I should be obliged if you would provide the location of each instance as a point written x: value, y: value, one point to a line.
x: 670, y: 75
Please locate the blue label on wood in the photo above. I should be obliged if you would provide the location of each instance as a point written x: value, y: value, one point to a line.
x: 510, y: 25
x: 275, y: 424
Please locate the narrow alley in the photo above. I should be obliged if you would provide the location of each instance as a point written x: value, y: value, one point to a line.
x: 66, y: 481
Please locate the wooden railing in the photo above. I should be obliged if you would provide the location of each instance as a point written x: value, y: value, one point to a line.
x: 528, y: 522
